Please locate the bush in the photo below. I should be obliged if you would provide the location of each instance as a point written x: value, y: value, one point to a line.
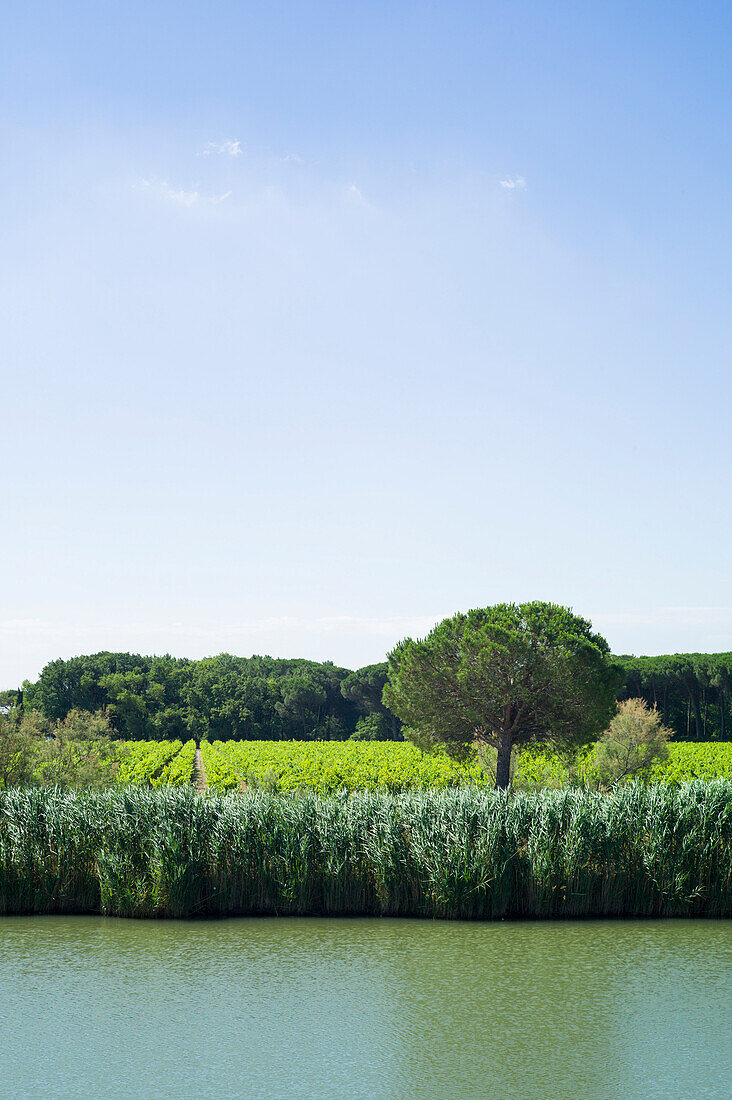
x: 75, y: 752
x: 635, y: 740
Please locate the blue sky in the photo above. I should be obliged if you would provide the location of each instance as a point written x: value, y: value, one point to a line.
x: 322, y: 321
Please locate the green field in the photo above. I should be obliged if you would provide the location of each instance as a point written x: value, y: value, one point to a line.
x: 331, y: 765
x: 156, y: 763
x: 327, y: 766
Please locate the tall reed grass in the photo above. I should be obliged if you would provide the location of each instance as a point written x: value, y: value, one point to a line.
x: 465, y: 853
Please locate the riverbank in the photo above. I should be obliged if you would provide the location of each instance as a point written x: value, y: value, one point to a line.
x: 458, y: 854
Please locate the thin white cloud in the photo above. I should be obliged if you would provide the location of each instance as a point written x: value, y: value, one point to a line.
x: 228, y: 148
x: 514, y: 183
x: 292, y: 158
x: 388, y: 626
x: 171, y: 194
x: 690, y: 617
x: 26, y: 645
x: 179, y: 196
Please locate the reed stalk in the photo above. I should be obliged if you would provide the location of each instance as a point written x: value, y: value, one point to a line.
x: 468, y: 853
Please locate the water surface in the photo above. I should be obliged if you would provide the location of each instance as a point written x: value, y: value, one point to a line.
x: 102, y: 1008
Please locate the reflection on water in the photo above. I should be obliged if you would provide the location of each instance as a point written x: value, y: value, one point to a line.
x: 94, y: 1007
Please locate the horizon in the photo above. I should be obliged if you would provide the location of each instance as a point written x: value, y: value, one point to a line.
x: 301, y: 656
x: 322, y: 323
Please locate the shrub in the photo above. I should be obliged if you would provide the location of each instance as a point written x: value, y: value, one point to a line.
x: 75, y: 752
x: 635, y: 740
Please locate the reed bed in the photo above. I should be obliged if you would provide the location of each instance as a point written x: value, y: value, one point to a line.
x: 470, y: 853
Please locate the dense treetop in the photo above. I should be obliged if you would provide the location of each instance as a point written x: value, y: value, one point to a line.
x: 265, y: 698
x: 248, y: 698
x: 503, y: 676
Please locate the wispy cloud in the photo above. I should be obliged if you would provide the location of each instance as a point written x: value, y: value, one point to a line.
x: 180, y: 196
x: 667, y: 629
x: 701, y: 616
x: 514, y: 183
x: 172, y: 194
x: 388, y: 626
x: 228, y: 148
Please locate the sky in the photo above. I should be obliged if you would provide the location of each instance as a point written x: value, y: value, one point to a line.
x: 323, y: 321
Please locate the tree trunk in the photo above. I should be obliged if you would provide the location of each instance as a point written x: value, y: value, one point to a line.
x: 696, y: 708
x: 722, y: 702
x: 503, y: 761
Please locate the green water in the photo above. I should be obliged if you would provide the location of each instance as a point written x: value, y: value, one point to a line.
x: 97, y: 1008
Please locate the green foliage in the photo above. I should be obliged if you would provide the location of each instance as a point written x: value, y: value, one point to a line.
x: 372, y: 727
x: 19, y: 752
x: 167, y: 698
x: 365, y: 689
x: 400, y: 766
x: 143, y: 762
x: 179, y: 771
x: 635, y: 740
x: 693, y: 691
x: 504, y: 676
x: 77, y: 751
x: 454, y: 854
x: 331, y: 766
x: 156, y: 763
x: 220, y: 697
x: 690, y: 760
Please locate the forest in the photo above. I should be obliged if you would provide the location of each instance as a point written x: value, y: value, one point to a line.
x: 269, y: 699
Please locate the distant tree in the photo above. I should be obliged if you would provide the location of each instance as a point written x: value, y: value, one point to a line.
x: 19, y: 750
x: 219, y: 697
x: 365, y: 689
x: 371, y: 727
x: 8, y: 699
x: 303, y: 701
x: 504, y: 676
x: 691, y: 690
x: 78, y: 751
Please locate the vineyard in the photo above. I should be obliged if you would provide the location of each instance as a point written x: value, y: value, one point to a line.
x: 393, y: 766
x: 156, y: 763
x: 332, y: 765
x: 327, y: 766
x: 695, y: 760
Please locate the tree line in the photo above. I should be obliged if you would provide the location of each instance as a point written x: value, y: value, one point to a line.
x: 692, y: 691
x: 223, y: 697
x: 264, y: 698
